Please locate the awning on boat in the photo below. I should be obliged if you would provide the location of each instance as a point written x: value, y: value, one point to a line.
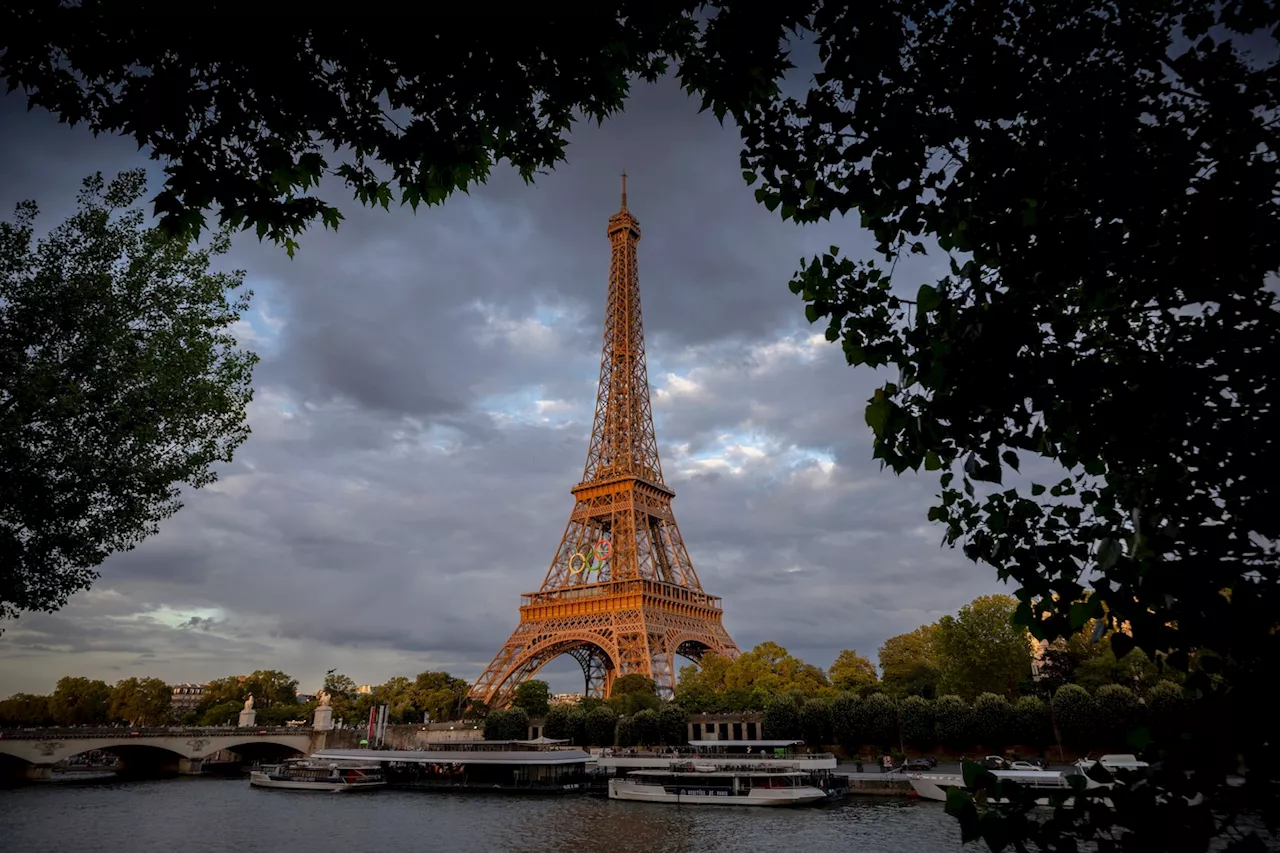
x: 541, y: 741
x: 763, y: 744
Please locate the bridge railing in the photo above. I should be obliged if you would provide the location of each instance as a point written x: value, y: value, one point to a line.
x: 97, y: 732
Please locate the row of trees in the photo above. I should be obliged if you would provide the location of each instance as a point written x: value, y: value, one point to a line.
x: 78, y: 701
x: 88, y: 702
x: 1074, y: 718
x: 977, y: 651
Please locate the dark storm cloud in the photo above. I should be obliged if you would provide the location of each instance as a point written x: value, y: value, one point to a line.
x: 423, y: 407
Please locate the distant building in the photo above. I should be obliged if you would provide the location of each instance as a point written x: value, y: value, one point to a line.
x: 566, y: 698
x: 364, y: 689
x: 304, y: 698
x: 186, y: 696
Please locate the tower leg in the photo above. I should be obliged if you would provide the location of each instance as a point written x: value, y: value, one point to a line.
x: 597, y: 671
x: 664, y: 669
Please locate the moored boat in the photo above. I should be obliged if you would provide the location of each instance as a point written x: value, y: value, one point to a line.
x: 300, y: 774
x: 933, y: 786
x: 687, y: 785
x: 1113, y: 762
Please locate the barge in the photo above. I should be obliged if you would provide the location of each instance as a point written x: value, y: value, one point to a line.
x: 693, y: 784
x: 477, y: 766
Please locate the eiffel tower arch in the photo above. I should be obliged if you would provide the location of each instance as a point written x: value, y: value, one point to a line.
x: 621, y: 595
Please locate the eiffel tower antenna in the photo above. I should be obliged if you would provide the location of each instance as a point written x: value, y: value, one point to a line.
x: 621, y: 595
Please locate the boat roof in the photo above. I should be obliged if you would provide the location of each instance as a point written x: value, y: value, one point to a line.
x: 1014, y: 775
x: 1017, y: 775
x: 418, y: 756
x: 760, y: 743
x: 719, y: 771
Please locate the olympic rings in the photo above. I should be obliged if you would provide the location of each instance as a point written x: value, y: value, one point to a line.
x: 578, y: 570
x: 603, y: 550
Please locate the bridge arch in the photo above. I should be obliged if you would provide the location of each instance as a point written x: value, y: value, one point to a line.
x: 255, y: 749
x: 595, y: 653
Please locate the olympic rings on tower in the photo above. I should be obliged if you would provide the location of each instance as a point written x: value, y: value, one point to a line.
x: 578, y: 570
x: 604, y: 549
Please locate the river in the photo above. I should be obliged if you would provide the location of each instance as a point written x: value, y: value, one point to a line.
x: 218, y: 815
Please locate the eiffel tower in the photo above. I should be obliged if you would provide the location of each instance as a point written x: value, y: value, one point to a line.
x: 621, y: 595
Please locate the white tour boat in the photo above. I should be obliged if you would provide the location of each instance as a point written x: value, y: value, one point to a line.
x: 933, y: 786
x: 1113, y: 762
x: 689, y: 784
x: 300, y: 774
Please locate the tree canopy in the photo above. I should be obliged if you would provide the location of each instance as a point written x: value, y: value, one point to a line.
x: 534, y: 696
x: 909, y: 663
x: 750, y: 681
x: 119, y: 382
x: 982, y: 651
x: 852, y: 671
x: 141, y: 701
x: 247, y: 120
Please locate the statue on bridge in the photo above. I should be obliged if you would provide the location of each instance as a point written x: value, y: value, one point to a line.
x: 248, y: 703
x: 324, y: 698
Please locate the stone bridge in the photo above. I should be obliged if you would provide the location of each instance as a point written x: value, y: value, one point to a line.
x: 33, y: 753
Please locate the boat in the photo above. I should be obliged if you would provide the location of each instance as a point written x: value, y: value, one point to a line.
x: 301, y: 774
x: 1113, y: 762
x: 933, y: 786
x: 687, y: 785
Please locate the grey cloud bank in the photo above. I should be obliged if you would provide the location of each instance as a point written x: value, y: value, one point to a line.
x: 423, y: 408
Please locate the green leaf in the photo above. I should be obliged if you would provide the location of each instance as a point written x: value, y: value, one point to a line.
x: 1010, y: 458
x: 1037, y: 489
x: 974, y: 773
x: 1099, y: 774
x: 878, y: 411
x: 995, y: 831
x: 1080, y: 613
x: 927, y: 298
x: 811, y: 313
x: 1109, y: 552
x: 932, y: 462
x: 960, y: 806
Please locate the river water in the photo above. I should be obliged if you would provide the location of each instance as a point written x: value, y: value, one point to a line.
x: 213, y: 815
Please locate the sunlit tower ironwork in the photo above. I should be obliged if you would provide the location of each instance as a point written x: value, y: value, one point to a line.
x: 621, y: 595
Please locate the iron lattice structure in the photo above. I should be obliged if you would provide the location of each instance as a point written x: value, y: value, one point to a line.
x: 621, y: 595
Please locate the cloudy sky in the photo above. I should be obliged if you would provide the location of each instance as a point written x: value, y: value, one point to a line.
x: 423, y: 405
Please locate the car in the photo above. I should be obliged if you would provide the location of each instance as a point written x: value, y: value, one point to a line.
x: 919, y: 764
x: 1025, y: 766
x: 993, y: 762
